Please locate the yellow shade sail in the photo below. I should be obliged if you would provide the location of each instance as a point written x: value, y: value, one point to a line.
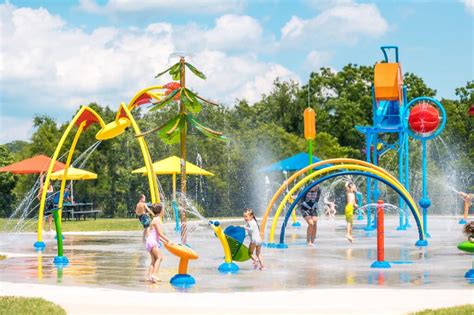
x: 74, y: 174
x: 172, y: 165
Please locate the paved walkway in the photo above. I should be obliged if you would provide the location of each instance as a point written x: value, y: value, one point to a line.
x: 83, y: 300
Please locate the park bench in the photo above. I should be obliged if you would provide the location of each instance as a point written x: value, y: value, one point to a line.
x: 85, y: 214
x: 78, y: 210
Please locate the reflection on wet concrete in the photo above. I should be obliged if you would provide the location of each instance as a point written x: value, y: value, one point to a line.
x: 119, y: 260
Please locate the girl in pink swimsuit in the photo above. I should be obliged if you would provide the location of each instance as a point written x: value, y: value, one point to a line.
x: 153, y: 243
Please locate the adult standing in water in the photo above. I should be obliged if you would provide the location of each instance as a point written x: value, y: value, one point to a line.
x: 309, y: 211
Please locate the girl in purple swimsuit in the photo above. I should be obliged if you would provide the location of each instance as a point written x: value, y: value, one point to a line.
x: 153, y: 243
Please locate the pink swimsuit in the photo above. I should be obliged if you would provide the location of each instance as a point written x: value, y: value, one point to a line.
x: 152, y: 240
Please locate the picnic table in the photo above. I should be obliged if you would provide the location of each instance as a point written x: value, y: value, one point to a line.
x: 78, y: 210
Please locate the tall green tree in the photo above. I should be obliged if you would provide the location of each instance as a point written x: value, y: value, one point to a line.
x: 7, y: 183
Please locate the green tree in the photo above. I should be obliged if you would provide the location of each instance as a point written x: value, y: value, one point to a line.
x: 7, y: 183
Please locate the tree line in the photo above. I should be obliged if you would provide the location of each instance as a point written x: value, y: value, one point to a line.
x: 260, y: 133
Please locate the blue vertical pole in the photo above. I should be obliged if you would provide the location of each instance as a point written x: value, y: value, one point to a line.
x: 368, y: 142
x: 406, y: 153
x: 407, y: 178
x: 401, y: 177
x: 424, y: 201
x: 376, y: 192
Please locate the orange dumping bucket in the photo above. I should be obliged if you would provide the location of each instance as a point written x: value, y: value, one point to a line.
x: 388, y: 81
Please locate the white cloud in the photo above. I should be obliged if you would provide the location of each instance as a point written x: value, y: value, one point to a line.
x: 50, y: 67
x: 294, y: 27
x: 469, y: 6
x: 317, y: 59
x: 325, y: 4
x: 231, y: 32
x: 345, y: 22
x: 127, y: 6
x: 13, y: 128
x: 242, y: 77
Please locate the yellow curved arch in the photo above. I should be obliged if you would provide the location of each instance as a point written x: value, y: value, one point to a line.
x: 55, y: 157
x: 155, y: 196
x: 288, y: 181
x: 131, y: 104
x: 383, y: 175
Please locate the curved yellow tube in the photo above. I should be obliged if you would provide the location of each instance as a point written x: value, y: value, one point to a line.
x: 53, y: 160
x: 391, y: 180
x: 155, y: 196
x: 225, y: 245
x: 304, y: 170
x: 68, y: 163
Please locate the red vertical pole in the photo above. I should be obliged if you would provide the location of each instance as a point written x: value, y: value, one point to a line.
x: 380, y: 231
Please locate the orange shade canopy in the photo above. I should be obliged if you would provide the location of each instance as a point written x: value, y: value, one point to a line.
x: 34, y: 165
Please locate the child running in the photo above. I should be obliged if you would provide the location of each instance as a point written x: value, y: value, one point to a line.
x: 309, y: 211
x: 253, y: 232
x: 142, y: 210
x: 349, y: 209
x: 153, y: 243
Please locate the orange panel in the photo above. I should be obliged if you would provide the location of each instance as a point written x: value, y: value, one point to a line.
x: 387, y: 81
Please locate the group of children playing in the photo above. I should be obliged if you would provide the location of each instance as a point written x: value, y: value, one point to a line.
x: 309, y: 210
x: 153, y: 236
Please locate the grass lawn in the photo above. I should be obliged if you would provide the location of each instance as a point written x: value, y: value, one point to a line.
x: 91, y: 225
x: 20, y: 305
x: 457, y: 310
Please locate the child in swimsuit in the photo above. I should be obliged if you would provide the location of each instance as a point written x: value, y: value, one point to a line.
x: 329, y: 208
x: 309, y: 211
x: 142, y: 210
x: 349, y: 209
x: 153, y: 243
x: 253, y: 232
x: 469, y: 231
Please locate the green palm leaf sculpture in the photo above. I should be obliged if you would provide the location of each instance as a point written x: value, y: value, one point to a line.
x: 175, y: 129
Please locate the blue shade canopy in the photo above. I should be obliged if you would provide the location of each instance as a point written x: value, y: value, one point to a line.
x: 293, y: 163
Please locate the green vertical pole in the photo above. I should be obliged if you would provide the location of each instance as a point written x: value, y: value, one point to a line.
x: 310, y: 153
x: 59, y: 233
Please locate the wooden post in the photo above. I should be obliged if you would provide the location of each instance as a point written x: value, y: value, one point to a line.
x: 182, y: 82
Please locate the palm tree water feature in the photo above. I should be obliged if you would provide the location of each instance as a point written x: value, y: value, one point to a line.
x: 175, y: 130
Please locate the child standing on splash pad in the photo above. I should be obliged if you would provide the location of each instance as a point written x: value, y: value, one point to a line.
x: 309, y: 211
x: 467, y: 198
x: 142, y: 210
x: 349, y: 209
x: 253, y: 231
x: 153, y: 243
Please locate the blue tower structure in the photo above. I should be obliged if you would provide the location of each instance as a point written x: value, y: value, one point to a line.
x: 389, y: 101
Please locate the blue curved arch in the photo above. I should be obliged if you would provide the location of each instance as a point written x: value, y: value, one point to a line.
x: 327, y: 177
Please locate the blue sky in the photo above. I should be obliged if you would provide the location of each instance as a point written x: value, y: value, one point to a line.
x: 57, y: 55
